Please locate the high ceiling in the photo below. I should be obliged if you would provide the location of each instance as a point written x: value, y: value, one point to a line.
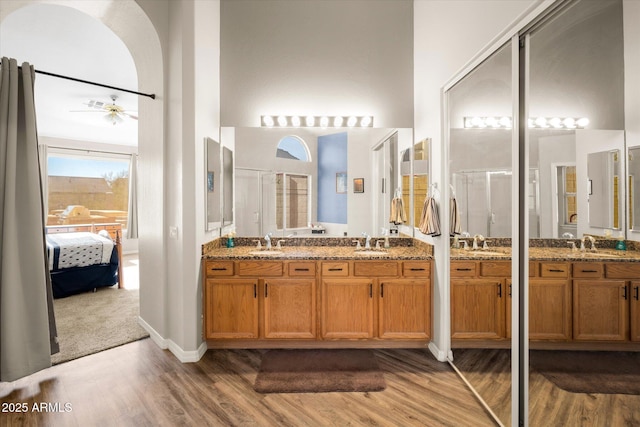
x: 64, y: 41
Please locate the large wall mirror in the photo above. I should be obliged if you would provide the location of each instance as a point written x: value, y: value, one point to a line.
x: 213, y: 180
x: 576, y: 178
x: 316, y: 181
x: 634, y: 189
x: 227, y: 184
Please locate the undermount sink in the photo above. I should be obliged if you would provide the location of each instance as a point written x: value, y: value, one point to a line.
x: 486, y: 253
x: 371, y: 252
x: 265, y: 252
x: 596, y: 255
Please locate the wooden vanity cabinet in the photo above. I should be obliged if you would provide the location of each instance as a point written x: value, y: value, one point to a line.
x: 550, y: 302
x: 347, y: 308
x: 600, y: 310
x: 635, y: 310
x: 231, y: 308
x: 286, y: 301
x: 478, y: 294
x: 376, y: 300
x: 259, y: 299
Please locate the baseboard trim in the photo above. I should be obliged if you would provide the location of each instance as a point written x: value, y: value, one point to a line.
x: 167, y: 344
x: 438, y: 354
x: 153, y: 334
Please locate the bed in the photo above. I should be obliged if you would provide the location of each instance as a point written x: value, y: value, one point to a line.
x: 84, y: 257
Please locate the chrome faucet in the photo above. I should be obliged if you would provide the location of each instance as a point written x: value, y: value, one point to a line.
x: 572, y: 245
x: 590, y: 239
x: 475, y: 240
x: 268, y: 239
x: 278, y: 245
x: 367, y: 242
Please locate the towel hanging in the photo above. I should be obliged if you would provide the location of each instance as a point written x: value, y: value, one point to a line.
x: 454, y: 220
x: 397, y: 215
x: 429, y: 220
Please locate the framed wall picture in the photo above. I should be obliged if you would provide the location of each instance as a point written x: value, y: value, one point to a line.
x: 341, y: 182
x: 358, y: 185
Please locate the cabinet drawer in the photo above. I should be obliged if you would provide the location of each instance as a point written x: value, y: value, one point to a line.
x: 554, y: 269
x: 335, y: 269
x: 622, y: 270
x: 302, y: 269
x: 416, y: 269
x: 258, y: 268
x: 463, y: 269
x: 219, y: 268
x: 375, y: 268
x: 587, y: 269
x: 495, y: 269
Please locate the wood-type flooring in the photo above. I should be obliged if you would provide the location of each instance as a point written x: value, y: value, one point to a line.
x: 489, y: 372
x: 139, y: 384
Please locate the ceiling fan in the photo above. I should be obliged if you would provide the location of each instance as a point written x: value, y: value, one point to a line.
x: 114, y: 113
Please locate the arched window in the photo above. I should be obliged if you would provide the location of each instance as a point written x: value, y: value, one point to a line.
x: 294, y: 148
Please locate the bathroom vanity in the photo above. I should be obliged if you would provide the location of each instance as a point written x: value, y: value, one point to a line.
x: 576, y: 299
x: 317, y: 296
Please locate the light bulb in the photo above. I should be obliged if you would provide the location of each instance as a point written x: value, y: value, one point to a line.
x: 555, y: 122
x: 310, y: 121
x: 491, y: 122
x: 324, y: 121
x: 505, y: 121
x: 477, y: 122
x: 468, y: 123
x: 541, y: 122
x: 267, y: 120
x: 352, y: 121
x: 569, y: 123
x: 295, y: 121
x: 337, y: 121
x: 582, y: 122
x: 365, y: 121
x: 282, y: 120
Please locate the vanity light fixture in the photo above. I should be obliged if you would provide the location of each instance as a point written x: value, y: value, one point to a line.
x: 316, y: 121
x: 493, y: 122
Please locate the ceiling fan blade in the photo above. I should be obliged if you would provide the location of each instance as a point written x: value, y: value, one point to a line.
x: 86, y: 111
x: 133, y: 116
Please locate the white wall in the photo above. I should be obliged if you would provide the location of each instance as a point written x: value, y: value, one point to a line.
x: 631, y: 9
x: 317, y: 57
x: 447, y: 34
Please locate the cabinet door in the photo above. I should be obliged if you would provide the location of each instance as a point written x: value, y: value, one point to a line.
x: 231, y: 309
x: 477, y: 309
x: 347, y: 308
x: 600, y: 310
x: 635, y: 311
x: 549, y: 309
x: 404, y: 309
x: 290, y: 308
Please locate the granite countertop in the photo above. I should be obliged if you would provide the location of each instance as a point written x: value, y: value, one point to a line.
x: 548, y: 254
x: 318, y: 253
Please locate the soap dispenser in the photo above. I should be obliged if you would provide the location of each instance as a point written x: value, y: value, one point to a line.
x: 621, y: 245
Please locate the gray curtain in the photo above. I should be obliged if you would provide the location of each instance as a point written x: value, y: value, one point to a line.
x: 132, y: 219
x: 27, y: 327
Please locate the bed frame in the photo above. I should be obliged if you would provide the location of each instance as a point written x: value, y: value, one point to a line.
x: 114, y: 229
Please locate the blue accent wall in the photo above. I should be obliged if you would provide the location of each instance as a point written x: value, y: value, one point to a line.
x: 332, y: 158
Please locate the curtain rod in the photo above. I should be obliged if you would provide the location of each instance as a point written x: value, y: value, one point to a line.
x: 90, y: 151
x: 46, y: 73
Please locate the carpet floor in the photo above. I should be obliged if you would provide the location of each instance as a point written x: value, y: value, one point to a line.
x: 317, y: 371
x: 606, y: 372
x: 94, y: 321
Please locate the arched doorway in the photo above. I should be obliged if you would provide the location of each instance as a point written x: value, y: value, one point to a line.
x: 130, y: 23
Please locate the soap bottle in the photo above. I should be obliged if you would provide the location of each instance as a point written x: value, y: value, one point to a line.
x: 621, y: 245
x: 230, y: 242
